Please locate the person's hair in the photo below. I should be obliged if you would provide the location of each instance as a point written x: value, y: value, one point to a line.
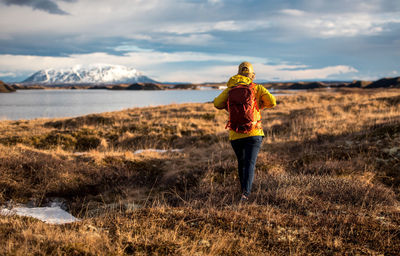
x: 244, y: 70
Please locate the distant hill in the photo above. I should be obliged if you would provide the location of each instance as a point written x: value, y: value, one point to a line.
x: 359, y: 84
x: 385, y: 82
x: 390, y: 82
x: 185, y: 86
x: 138, y: 86
x: 5, y: 88
x: 296, y: 85
x: 95, y: 74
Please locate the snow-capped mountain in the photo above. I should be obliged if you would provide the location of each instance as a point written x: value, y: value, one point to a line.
x: 94, y: 74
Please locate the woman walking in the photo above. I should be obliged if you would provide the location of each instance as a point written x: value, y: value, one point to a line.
x: 244, y: 100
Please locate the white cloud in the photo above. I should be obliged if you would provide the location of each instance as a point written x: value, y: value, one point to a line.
x: 203, y: 27
x: 147, y: 60
x: 134, y: 18
x: 366, y: 77
x: 92, y: 18
x: 344, y: 26
x: 335, y: 25
x: 292, y: 12
x: 139, y: 19
x: 160, y: 21
x: 271, y: 72
x: 221, y: 73
x: 142, y: 60
x: 130, y: 48
x: 139, y: 37
x: 193, y: 39
x: 214, y: 1
x: 7, y: 74
x: 131, y: 19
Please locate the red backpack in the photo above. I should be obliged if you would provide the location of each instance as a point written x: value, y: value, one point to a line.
x: 241, y: 107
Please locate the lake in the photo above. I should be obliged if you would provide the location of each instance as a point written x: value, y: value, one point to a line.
x: 31, y: 104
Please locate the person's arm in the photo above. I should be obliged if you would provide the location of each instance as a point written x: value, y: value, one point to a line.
x: 267, y: 99
x: 220, y: 100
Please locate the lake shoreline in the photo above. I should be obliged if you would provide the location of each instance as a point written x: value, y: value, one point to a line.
x: 387, y: 82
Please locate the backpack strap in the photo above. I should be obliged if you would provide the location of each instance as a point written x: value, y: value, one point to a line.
x: 252, y: 87
x: 256, y: 123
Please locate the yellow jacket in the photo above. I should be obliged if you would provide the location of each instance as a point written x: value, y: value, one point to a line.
x: 263, y: 97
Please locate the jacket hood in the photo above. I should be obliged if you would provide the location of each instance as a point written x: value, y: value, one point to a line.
x: 236, y: 79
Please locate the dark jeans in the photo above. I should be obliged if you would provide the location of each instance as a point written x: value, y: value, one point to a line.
x: 246, y: 151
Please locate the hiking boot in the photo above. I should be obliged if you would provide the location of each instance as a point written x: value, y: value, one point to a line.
x: 244, y: 199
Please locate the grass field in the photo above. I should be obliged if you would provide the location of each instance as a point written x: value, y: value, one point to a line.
x: 327, y: 180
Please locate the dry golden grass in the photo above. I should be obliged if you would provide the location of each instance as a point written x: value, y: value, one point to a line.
x: 327, y: 180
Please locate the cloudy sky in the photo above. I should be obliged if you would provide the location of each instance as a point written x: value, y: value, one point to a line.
x: 204, y: 41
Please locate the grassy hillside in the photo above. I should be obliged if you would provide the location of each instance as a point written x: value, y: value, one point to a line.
x: 327, y: 180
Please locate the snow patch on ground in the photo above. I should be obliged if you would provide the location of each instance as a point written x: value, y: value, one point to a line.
x: 140, y: 151
x: 51, y: 215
